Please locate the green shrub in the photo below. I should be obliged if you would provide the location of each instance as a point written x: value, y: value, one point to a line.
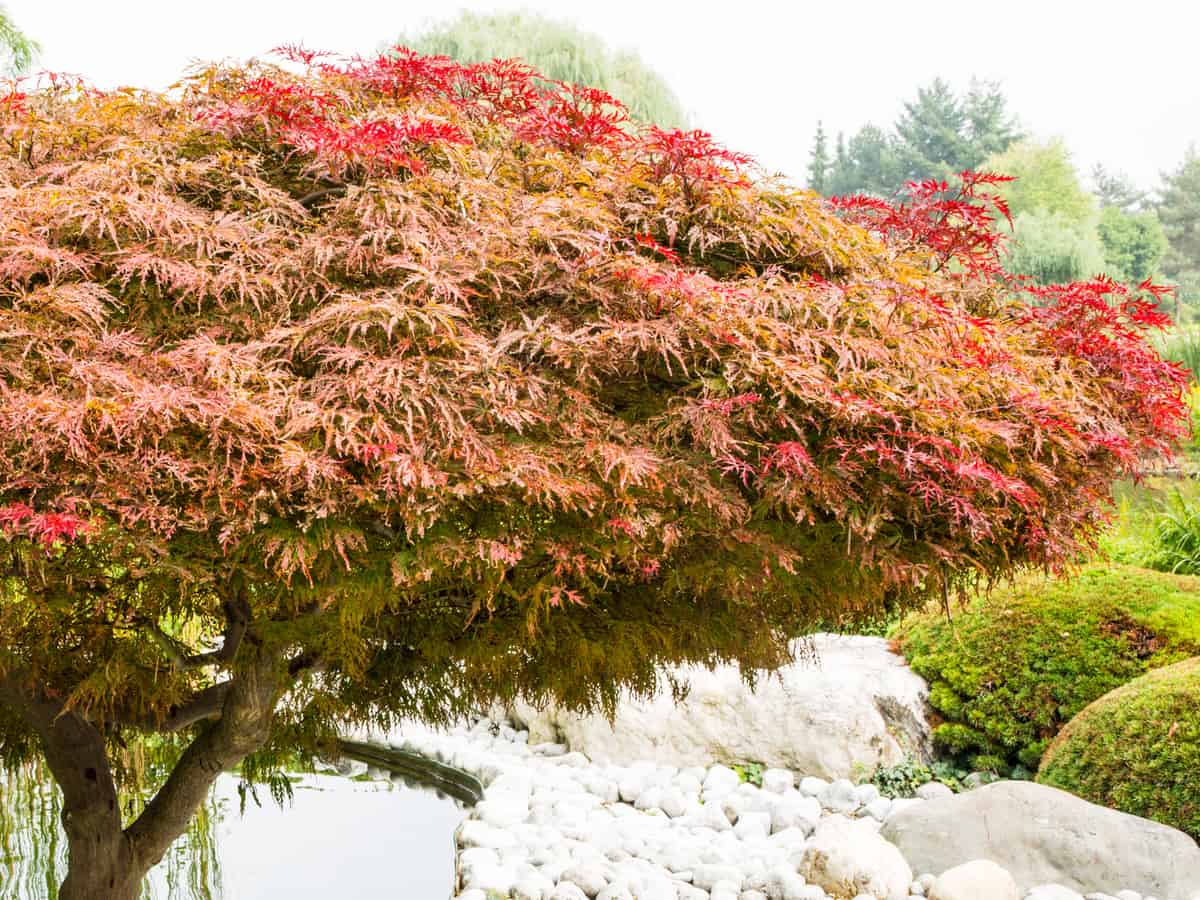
x: 1014, y: 665
x: 1137, y: 749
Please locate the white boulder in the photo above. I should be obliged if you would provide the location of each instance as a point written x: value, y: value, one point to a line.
x: 855, y: 707
x: 847, y: 857
x: 979, y: 879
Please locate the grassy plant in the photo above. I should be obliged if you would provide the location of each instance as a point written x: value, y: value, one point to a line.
x: 1175, y: 536
x: 1182, y: 345
x: 903, y: 779
x: 1194, y: 401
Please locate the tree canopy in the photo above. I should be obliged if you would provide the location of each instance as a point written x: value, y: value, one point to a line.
x: 558, y: 50
x: 819, y: 161
x: 1134, y: 243
x: 342, y: 390
x: 1060, y: 234
x: 1116, y: 189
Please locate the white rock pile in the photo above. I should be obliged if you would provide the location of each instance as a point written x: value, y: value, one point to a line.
x: 554, y: 826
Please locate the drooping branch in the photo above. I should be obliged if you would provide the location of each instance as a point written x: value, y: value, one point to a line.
x: 204, y: 704
x: 307, y: 661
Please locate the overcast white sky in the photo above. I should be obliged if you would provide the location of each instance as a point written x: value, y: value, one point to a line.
x: 1118, y: 81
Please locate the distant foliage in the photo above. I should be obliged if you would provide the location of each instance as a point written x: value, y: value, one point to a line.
x: 1044, y: 180
x: 1117, y: 190
x: 819, y: 162
x: 1063, y: 233
x: 866, y: 164
x: 558, y: 50
x: 1134, y: 243
x: 937, y: 135
x: 1179, y: 210
x: 1052, y: 249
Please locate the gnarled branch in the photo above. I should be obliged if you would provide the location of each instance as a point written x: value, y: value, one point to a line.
x: 244, y: 723
x: 237, y: 623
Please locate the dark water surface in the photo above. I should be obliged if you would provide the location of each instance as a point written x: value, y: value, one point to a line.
x: 338, y: 838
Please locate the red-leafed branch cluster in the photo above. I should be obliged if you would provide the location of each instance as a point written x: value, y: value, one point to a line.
x: 47, y: 528
x: 952, y: 223
x: 334, y: 122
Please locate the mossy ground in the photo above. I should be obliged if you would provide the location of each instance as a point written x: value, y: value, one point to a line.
x: 1013, y: 666
x: 1137, y: 749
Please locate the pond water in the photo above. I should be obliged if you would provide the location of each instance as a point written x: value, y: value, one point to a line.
x: 337, y: 838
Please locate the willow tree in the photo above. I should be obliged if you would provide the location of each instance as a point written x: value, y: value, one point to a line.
x: 558, y: 50
x: 17, y: 50
x: 339, y: 391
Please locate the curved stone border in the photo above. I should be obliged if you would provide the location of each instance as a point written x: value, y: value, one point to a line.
x: 462, y: 786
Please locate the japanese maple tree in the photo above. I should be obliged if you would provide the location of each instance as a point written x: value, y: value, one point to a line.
x: 338, y: 391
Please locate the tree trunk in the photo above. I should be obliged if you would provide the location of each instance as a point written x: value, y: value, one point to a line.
x: 101, y: 865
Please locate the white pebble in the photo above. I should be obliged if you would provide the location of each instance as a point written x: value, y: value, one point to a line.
x: 776, y: 781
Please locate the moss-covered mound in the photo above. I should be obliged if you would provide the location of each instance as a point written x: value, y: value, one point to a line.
x: 1015, y: 665
x: 1137, y: 749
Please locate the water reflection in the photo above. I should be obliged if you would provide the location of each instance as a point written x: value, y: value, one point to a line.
x: 340, y: 837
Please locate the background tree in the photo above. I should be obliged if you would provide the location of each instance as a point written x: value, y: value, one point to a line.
x: 17, y: 51
x: 819, y: 162
x: 558, y: 50
x: 931, y: 134
x: 1179, y: 210
x: 1117, y: 189
x: 1134, y: 243
x: 866, y: 165
x: 1052, y: 249
x: 990, y: 127
x: 1056, y: 236
x: 396, y: 387
x: 1045, y: 180
x: 1131, y: 234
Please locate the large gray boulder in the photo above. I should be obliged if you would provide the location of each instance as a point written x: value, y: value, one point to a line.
x: 853, y: 708
x: 1043, y: 835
